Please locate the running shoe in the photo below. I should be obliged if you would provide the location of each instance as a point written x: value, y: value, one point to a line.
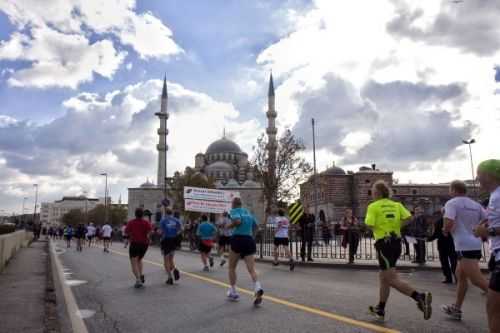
x: 206, y: 269
x: 143, y: 279
x: 138, y: 285
x: 222, y: 262
x: 377, y: 312
x: 424, y: 304
x: 452, y: 311
x: 275, y: 263
x: 292, y: 265
x: 233, y: 296
x: 258, y: 297
x: 211, y: 261
x: 177, y: 275
x: 169, y: 281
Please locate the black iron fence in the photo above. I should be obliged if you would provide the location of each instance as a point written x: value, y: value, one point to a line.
x: 337, y: 246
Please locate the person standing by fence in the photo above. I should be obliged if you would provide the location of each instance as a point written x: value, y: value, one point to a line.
x: 350, y: 227
x: 306, y: 223
x: 326, y: 233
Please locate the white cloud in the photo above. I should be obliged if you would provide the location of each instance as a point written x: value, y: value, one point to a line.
x: 53, y: 37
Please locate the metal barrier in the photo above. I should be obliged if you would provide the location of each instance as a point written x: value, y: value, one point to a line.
x: 333, y: 248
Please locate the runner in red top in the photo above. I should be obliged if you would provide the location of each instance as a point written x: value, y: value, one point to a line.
x: 138, y: 231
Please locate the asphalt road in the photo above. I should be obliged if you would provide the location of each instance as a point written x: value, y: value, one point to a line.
x: 306, y: 300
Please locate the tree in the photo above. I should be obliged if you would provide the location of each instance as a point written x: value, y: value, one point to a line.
x: 73, y: 217
x: 190, y: 177
x: 291, y: 168
x: 117, y: 215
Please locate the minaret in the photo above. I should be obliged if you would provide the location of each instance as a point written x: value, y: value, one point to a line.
x: 162, y: 140
x: 272, y: 145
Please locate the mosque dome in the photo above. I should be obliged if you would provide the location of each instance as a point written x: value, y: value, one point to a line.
x: 223, y: 145
x: 232, y: 183
x: 334, y: 170
x: 147, y: 184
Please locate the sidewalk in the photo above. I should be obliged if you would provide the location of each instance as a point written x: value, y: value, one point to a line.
x: 23, y: 290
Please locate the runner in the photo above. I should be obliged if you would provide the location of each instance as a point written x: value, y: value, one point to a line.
x: 80, y: 232
x: 206, y: 233
x: 170, y: 228
x: 106, y: 231
x: 68, y: 234
x: 461, y: 216
x: 124, y: 235
x: 489, y: 177
x: 90, y: 233
x: 243, y: 246
x: 139, y: 231
x: 225, y: 234
x: 385, y: 217
x: 281, y: 238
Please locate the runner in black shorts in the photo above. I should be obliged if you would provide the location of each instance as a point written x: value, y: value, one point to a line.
x: 281, y: 223
x: 139, y: 231
x: 170, y: 229
x: 385, y: 217
x: 243, y: 246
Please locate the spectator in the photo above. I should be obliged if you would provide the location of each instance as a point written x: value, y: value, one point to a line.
x: 325, y: 228
x: 446, y: 249
x: 419, y: 231
x: 307, y: 234
x: 350, y: 226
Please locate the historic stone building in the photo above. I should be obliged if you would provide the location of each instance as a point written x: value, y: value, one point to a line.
x: 338, y: 190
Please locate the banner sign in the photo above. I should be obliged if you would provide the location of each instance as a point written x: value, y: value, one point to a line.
x: 206, y: 200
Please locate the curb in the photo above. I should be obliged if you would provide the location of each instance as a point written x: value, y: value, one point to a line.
x: 77, y: 323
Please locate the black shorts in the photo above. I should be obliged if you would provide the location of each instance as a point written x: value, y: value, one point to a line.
x: 125, y: 237
x: 224, y: 240
x: 494, y: 267
x: 388, y: 252
x: 66, y: 237
x: 280, y: 241
x: 203, y: 248
x: 90, y: 238
x: 137, y: 250
x: 243, y: 245
x: 168, y: 246
x: 475, y: 254
x: 106, y: 238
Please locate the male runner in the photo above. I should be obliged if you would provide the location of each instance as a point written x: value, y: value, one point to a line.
x: 170, y: 228
x: 91, y: 230
x: 385, y: 217
x: 106, y: 236
x: 281, y: 238
x: 489, y: 177
x: 461, y: 216
x: 68, y: 234
x: 225, y: 234
x: 139, y: 231
x: 206, y: 233
x: 243, y: 246
x: 80, y: 232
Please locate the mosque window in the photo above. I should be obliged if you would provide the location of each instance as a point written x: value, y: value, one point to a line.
x: 414, y: 191
x: 369, y: 192
x: 367, y: 181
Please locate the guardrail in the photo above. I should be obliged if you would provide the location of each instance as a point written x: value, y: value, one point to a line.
x: 11, y: 243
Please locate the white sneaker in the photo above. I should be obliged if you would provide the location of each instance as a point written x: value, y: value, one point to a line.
x: 233, y: 296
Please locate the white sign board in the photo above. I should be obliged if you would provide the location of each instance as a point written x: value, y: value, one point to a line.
x: 206, y: 200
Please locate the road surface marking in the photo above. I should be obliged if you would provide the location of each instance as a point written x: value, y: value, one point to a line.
x: 308, y: 309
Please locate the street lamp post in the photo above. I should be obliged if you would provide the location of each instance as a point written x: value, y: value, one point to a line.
x: 315, y: 175
x: 36, y: 202
x: 86, y: 214
x: 469, y: 143
x: 105, y: 174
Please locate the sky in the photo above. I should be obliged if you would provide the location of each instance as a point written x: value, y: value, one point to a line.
x: 397, y: 83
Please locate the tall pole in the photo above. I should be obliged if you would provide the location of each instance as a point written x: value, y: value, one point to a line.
x: 22, y: 213
x: 315, y: 173
x: 469, y: 143
x: 86, y: 211
x: 36, y: 202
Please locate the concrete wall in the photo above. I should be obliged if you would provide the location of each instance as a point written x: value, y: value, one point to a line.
x: 11, y: 243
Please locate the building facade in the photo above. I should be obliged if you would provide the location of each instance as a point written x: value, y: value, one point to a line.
x: 338, y: 190
x: 51, y: 213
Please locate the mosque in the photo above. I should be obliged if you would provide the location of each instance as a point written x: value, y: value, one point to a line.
x: 223, y: 161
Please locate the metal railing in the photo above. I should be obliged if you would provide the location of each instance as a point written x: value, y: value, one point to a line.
x: 335, y: 248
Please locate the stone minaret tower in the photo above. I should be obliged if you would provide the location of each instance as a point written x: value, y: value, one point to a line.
x: 272, y: 145
x: 162, y: 140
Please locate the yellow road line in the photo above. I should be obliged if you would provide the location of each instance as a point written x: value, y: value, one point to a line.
x: 308, y: 309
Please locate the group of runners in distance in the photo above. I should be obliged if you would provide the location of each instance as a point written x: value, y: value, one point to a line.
x: 85, y: 235
x: 466, y: 220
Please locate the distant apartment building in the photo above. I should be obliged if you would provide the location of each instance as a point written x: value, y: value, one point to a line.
x: 51, y: 213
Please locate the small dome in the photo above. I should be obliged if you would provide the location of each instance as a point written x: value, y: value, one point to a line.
x: 334, y: 170
x: 223, y: 145
x: 200, y: 175
x: 232, y: 183
x: 147, y: 184
x: 251, y: 184
x: 220, y: 165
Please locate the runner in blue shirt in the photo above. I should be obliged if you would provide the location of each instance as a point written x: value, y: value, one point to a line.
x: 170, y: 227
x: 206, y: 232
x: 243, y: 246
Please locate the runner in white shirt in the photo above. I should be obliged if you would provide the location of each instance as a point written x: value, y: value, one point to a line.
x: 124, y: 235
x: 488, y: 174
x: 90, y: 233
x: 106, y: 236
x: 461, y: 217
x: 225, y: 233
x: 282, y: 224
